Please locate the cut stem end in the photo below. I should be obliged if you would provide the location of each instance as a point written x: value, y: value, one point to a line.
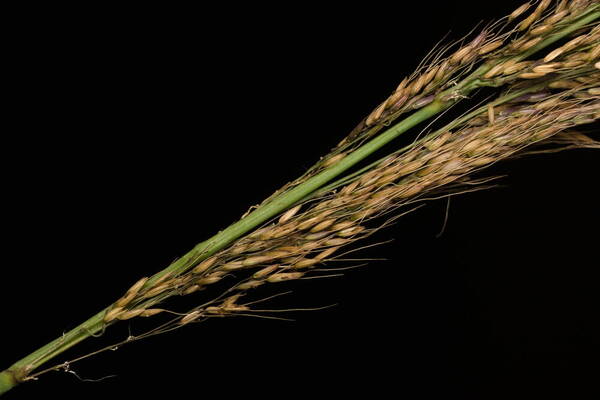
x: 7, y: 381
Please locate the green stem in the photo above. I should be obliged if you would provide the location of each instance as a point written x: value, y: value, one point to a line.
x: 21, y: 369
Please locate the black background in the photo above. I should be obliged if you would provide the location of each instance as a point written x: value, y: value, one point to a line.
x: 137, y: 133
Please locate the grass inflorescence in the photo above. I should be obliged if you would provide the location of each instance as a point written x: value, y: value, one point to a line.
x: 542, y: 60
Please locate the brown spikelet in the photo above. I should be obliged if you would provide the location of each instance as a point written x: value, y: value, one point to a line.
x: 326, y: 253
x: 289, y: 214
x: 346, y: 233
x: 151, y: 312
x: 252, y: 284
x: 125, y: 315
x: 531, y: 75
x: 204, y: 265
x: 375, y: 115
x: 494, y: 71
x: 547, y: 68
x: 333, y: 160
x: 156, y: 290
x: 112, y: 314
x: 131, y: 293
x: 530, y: 43
x: 513, y: 68
x: 519, y: 11
x: 541, y: 30
x: 284, y: 276
x: 488, y: 48
x: 209, y: 280
x: 265, y: 271
x: 192, y: 289
x: 194, y: 315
